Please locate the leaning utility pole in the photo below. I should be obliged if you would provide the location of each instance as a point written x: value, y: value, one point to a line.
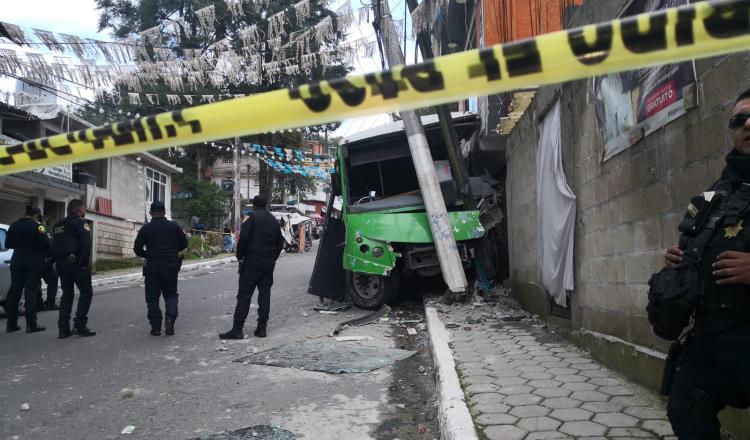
x: 237, y: 194
x: 460, y: 173
x: 442, y: 233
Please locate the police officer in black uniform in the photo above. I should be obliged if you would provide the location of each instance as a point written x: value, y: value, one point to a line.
x: 50, y: 276
x: 71, y: 245
x: 713, y: 371
x: 160, y: 242
x: 28, y: 239
x: 257, y: 251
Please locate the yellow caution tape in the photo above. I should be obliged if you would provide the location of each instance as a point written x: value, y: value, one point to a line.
x: 671, y: 35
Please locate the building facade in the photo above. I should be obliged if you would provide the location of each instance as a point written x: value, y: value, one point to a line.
x: 632, y: 179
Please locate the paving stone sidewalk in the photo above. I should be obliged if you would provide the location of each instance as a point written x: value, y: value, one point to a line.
x: 523, y: 383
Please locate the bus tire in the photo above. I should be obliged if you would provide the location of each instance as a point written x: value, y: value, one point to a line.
x: 371, y: 292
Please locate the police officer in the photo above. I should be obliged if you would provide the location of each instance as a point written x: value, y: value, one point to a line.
x: 71, y: 245
x: 160, y: 242
x: 712, y: 371
x: 28, y: 239
x: 257, y: 251
x: 50, y: 277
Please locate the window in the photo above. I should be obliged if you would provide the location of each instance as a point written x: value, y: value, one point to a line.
x: 96, y: 168
x: 3, y: 232
x: 156, y: 186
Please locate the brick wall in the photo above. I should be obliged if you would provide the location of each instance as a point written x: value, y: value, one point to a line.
x: 114, y: 237
x: 628, y: 207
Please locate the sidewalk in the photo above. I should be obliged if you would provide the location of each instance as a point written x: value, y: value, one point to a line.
x: 523, y: 383
x: 120, y: 276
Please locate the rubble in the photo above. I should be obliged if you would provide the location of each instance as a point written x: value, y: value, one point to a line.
x: 25, y: 407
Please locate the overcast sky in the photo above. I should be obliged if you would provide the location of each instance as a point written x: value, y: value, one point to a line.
x: 80, y: 18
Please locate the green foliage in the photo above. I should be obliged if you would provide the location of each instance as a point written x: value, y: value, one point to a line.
x: 208, y: 199
x: 107, y: 264
x: 293, y: 184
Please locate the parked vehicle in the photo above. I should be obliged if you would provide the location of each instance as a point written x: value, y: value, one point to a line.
x: 5, y: 255
x: 383, y: 233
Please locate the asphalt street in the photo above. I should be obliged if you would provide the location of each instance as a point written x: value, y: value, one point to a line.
x: 187, y: 386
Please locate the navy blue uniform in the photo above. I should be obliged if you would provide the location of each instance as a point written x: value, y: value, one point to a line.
x: 160, y: 242
x: 30, y: 244
x: 714, y: 369
x: 258, y: 249
x: 71, y: 247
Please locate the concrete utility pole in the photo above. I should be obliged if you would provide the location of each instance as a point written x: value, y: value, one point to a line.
x: 442, y: 233
x: 237, y: 194
x: 460, y: 173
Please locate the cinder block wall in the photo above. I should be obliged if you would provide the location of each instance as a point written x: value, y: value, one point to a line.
x: 628, y: 207
x: 114, y: 237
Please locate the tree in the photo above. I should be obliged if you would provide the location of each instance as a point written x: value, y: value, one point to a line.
x: 128, y: 18
x: 207, y: 200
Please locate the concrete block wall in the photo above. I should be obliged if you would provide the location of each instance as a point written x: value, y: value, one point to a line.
x: 628, y: 207
x: 114, y: 237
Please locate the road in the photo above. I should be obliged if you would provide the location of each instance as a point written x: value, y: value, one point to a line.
x: 186, y: 386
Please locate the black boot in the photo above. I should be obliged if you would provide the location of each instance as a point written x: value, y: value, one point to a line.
x: 64, y: 332
x: 156, y: 331
x: 260, y: 330
x: 12, y: 326
x: 169, y: 327
x: 32, y: 327
x: 83, y: 331
x: 234, y: 333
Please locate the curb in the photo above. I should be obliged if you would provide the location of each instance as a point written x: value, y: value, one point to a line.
x: 100, y: 282
x: 453, y: 413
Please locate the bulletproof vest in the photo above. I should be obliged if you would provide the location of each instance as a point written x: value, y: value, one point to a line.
x: 64, y: 242
x: 725, y: 226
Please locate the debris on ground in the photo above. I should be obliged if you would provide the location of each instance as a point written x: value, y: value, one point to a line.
x: 328, y: 357
x: 25, y: 407
x: 421, y: 369
x: 328, y: 312
x: 352, y: 338
x: 411, y: 331
x: 222, y: 348
x: 260, y: 432
x: 333, y: 307
x: 128, y: 430
x: 496, y: 306
x: 362, y: 320
x: 305, y: 314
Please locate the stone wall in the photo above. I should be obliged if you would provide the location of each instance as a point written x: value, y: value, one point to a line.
x: 114, y: 237
x: 628, y: 207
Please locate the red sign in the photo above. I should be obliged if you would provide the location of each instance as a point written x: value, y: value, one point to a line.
x: 661, y: 98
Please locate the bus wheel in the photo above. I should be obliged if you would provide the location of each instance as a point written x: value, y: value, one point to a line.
x: 372, y: 291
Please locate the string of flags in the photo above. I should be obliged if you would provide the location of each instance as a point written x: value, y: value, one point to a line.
x: 130, y: 61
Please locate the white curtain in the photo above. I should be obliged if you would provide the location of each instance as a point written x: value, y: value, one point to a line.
x: 556, y: 211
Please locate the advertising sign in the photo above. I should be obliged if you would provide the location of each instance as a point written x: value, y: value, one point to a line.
x: 632, y: 105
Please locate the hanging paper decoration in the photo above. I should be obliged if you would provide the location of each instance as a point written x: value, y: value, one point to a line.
x: 188, y: 99
x: 134, y: 98
x: 206, y: 19
x: 344, y: 16
x: 422, y: 18
x: 14, y: 33
x: 152, y: 98
x: 250, y: 36
x: 49, y: 40
x: 324, y: 30
x: 302, y: 11
x: 207, y: 98
x: 235, y: 8
x: 364, y: 14
x: 276, y: 25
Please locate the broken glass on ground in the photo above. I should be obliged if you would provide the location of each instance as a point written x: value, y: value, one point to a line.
x: 328, y: 357
x: 260, y: 432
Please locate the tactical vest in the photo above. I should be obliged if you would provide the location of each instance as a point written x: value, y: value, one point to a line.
x: 711, y: 226
x: 64, y: 242
x: 730, y: 226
